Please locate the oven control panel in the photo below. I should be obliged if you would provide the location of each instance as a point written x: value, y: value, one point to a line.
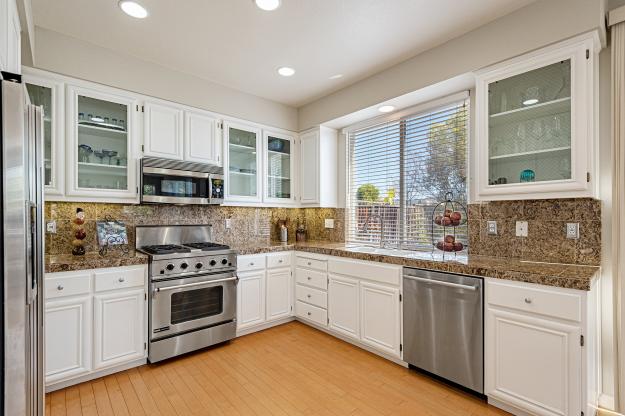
x: 160, y: 269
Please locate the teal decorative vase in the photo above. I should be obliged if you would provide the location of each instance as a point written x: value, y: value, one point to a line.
x: 528, y: 175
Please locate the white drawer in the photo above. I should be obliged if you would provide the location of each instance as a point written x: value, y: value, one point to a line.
x: 251, y: 262
x: 74, y: 284
x: 313, y: 296
x: 311, y: 278
x: 312, y: 263
x: 377, y: 272
x: 312, y: 313
x: 542, y: 301
x: 119, y: 278
x: 278, y: 260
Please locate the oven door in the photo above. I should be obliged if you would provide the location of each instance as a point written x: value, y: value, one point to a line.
x: 174, y: 186
x: 182, y: 305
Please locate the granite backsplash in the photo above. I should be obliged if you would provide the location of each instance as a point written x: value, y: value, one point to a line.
x: 546, y: 240
x: 248, y: 225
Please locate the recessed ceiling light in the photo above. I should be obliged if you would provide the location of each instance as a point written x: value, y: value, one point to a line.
x: 285, y: 71
x: 386, y: 109
x: 337, y: 76
x: 531, y: 101
x: 267, y: 5
x: 134, y: 9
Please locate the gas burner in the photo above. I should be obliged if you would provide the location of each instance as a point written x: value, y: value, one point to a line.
x: 165, y: 249
x: 207, y: 246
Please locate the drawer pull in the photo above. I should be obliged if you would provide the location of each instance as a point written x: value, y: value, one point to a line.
x: 309, y: 278
x: 309, y: 263
x: 280, y: 261
x: 308, y: 296
x: 251, y: 264
x: 59, y: 287
x: 528, y: 300
x: 121, y: 280
x: 309, y: 313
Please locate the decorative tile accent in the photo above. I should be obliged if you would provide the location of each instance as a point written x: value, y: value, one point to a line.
x: 546, y: 240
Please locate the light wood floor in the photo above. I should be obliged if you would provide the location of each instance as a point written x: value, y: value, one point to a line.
x: 288, y: 370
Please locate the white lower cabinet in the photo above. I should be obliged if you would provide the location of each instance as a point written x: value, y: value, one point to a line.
x: 343, y: 308
x: 118, y: 327
x: 279, y: 288
x: 380, y: 312
x: 534, y: 357
x: 251, y: 299
x: 67, y: 338
x: 94, y: 320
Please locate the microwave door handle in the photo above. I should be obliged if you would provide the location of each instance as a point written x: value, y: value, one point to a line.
x: 210, y: 282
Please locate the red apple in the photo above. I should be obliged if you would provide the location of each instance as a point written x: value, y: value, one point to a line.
x: 450, y: 238
x: 448, y: 212
x: 438, y: 219
x: 439, y: 245
x: 455, y: 216
x: 446, y: 221
x: 455, y: 223
x: 458, y: 246
x: 448, y: 247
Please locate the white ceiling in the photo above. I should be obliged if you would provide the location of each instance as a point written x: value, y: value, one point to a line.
x: 233, y: 43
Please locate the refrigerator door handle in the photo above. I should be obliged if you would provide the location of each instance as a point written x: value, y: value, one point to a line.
x: 32, y: 265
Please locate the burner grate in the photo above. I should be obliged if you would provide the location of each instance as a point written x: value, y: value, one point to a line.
x: 207, y: 246
x: 165, y: 249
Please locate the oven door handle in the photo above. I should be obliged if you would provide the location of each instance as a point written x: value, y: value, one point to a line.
x: 209, y: 282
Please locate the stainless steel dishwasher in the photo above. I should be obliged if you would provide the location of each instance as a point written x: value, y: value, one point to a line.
x: 443, y: 326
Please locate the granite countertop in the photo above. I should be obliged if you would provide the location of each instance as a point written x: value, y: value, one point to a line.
x: 550, y: 274
x: 69, y: 262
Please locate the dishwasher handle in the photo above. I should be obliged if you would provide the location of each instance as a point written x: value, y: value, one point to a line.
x: 441, y: 282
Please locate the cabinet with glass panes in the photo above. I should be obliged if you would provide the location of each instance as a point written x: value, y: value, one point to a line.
x: 279, y: 159
x: 535, y: 135
x: 243, y: 162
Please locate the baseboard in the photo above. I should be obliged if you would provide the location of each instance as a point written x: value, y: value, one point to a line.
x: 265, y: 325
x: 606, y: 401
x: 96, y: 374
x: 354, y: 342
x: 507, y: 407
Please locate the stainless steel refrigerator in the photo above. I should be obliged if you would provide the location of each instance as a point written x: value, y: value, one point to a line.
x: 21, y: 127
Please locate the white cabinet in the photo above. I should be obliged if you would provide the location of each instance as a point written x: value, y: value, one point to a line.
x: 162, y: 130
x: 242, y: 162
x: 251, y: 299
x: 535, y: 124
x: 311, y: 288
x: 202, y: 137
x: 101, y: 152
x: 380, y: 317
x: 534, y: 357
x: 278, y: 293
x: 279, y: 178
x: 318, y: 168
x: 343, y: 307
x: 118, y: 327
x: 67, y: 337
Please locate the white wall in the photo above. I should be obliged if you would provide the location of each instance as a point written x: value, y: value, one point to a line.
x: 534, y: 26
x: 70, y: 56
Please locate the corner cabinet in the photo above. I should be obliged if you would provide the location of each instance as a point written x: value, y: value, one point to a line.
x: 101, y: 144
x: 535, y: 117
x: 318, y: 168
x: 242, y: 163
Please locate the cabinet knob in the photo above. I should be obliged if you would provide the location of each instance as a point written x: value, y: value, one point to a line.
x: 308, y: 296
x: 59, y: 287
x: 309, y: 278
x: 309, y: 313
x: 309, y: 263
x: 528, y: 300
x: 121, y: 280
x: 280, y: 261
x: 251, y: 264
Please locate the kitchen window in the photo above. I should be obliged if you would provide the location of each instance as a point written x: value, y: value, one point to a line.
x: 400, y: 168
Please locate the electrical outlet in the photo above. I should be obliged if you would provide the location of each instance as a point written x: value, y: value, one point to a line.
x: 329, y: 223
x: 228, y: 223
x: 572, y: 230
x: 491, y: 226
x: 521, y: 228
x: 51, y: 227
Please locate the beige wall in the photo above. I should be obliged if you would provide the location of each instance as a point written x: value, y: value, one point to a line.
x: 534, y: 26
x: 70, y: 56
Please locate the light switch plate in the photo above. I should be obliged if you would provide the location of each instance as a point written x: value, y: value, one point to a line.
x: 521, y: 228
x: 491, y: 226
x: 51, y: 227
x: 228, y: 223
x: 329, y: 223
x: 572, y: 230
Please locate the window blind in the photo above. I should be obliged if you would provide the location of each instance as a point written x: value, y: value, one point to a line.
x: 399, y: 170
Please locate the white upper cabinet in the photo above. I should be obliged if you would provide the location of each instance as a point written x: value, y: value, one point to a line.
x: 102, y: 141
x: 163, y: 130
x: 279, y: 177
x: 318, y: 168
x: 49, y: 94
x: 242, y: 162
x: 202, y: 137
x: 535, y: 124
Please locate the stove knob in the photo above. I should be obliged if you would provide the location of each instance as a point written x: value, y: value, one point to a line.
x: 198, y: 265
x: 213, y: 262
x: 170, y: 267
x: 224, y: 261
x: 184, y: 266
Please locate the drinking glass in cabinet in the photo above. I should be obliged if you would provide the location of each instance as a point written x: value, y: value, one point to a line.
x: 101, y: 144
x: 529, y: 126
x: 242, y: 154
x: 42, y: 96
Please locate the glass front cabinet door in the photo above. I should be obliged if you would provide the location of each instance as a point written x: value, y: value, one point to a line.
x: 279, y: 168
x: 535, y: 125
x: 101, y: 140
x: 243, y: 149
x: 49, y: 94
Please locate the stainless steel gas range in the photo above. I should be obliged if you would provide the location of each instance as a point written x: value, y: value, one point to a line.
x: 192, y: 288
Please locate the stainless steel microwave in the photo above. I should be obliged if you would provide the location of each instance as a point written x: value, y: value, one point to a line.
x: 165, y: 181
